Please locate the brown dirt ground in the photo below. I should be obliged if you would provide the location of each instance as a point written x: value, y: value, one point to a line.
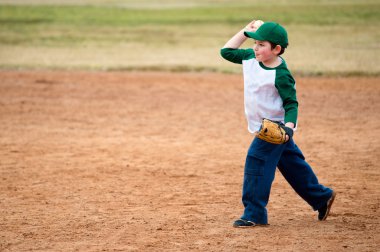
x: 146, y: 161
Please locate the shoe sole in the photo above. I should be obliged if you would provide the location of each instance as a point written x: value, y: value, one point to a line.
x: 244, y: 226
x: 329, y: 204
x: 256, y: 225
x: 241, y: 226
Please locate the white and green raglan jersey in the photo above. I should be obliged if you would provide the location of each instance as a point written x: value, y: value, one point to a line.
x: 268, y: 92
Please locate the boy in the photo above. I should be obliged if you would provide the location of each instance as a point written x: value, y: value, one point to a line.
x: 270, y: 92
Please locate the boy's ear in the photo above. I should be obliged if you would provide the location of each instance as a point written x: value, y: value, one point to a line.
x: 277, y: 49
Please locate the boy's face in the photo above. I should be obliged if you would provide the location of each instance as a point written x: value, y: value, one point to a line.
x: 263, y: 51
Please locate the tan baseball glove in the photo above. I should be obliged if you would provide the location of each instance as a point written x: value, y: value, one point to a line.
x: 274, y: 132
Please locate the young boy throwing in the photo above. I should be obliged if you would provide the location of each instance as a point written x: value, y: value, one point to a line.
x: 270, y: 93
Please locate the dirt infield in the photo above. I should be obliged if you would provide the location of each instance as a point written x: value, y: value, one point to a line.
x: 94, y: 161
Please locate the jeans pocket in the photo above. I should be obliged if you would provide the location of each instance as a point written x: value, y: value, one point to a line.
x: 254, y: 165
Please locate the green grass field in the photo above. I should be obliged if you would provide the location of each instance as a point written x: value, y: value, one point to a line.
x: 326, y: 37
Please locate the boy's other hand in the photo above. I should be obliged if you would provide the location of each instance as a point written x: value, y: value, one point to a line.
x: 289, y: 125
x: 254, y: 25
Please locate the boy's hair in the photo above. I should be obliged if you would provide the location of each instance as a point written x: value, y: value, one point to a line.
x: 273, y: 45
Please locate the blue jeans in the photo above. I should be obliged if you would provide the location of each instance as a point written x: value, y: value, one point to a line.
x: 262, y: 160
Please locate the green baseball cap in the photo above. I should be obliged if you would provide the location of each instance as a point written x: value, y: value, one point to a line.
x: 272, y: 32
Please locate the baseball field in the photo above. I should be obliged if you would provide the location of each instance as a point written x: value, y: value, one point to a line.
x: 122, y: 129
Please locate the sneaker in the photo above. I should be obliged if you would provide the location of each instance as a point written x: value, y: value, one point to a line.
x: 324, y: 211
x: 240, y: 223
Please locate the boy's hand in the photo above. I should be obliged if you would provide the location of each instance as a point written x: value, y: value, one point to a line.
x: 289, y: 125
x: 254, y: 25
x: 275, y: 132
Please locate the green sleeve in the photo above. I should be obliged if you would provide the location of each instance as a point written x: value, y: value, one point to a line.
x: 237, y: 55
x: 285, y: 85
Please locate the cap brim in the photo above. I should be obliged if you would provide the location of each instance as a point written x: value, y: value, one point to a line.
x: 253, y: 35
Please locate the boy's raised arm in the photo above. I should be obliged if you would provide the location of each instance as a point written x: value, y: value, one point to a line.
x: 238, y: 39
